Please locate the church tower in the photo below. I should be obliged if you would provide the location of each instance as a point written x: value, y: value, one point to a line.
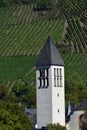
x: 50, y: 86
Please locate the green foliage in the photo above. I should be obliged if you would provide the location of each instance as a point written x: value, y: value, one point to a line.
x: 56, y: 127
x: 85, y: 113
x: 3, y: 91
x: 12, y: 68
x: 24, y: 93
x: 75, y: 89
x: 4, y: 3
x: 13, y: 118
x: 45, y: 4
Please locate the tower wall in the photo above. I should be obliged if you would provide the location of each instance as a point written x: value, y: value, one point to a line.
x: 58, y: 95
x: 44, y: 103
x: 51, y: 100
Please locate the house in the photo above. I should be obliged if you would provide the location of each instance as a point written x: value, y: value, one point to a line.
x: 76, y: 116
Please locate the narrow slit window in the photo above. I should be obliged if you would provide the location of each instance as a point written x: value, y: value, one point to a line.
x: 60, y: 82
x: 54, y: 72
x: 57, y: 72
x: 60, y: 72
x: 57, y: 82
x: 40, y: 85
x: 54, y: 82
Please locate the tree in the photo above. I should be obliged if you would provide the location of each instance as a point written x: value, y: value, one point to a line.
x: 24, y: 93
x: 75, y: 89
x: 3, y: 91
x: 12, y: 117
x: 56, y: 127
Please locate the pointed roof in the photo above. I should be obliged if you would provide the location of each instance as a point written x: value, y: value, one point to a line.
x: 49, y: 55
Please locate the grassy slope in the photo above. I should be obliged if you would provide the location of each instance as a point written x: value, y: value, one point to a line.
x: 13, y: 68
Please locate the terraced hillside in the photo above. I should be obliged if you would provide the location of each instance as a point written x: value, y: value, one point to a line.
x: 75, y: 12
x: 21, y: 26
x: 24, y: 31
x: 28, y: 39
x: 76, y: 35
x: 17, y: 15
x: 76, y: 8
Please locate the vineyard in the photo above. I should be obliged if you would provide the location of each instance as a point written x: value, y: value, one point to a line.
x: 70, y: 8
x: 75, y: 12
x: 17, y: 15
x: 24, y: 31
x: 21, y: 27
x: 23, y: 68
x: 18, y: 39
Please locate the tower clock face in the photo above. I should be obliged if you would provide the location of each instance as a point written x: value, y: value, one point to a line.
x: 42, y: 72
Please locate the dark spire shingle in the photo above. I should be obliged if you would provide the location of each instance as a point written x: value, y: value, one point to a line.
x: 49, y: 55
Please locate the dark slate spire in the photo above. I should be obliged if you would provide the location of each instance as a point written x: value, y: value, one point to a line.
x: 49, y: 55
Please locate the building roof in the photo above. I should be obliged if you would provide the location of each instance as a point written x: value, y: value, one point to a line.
x: 49, y: 55
x: 31, y: 114
x: 82, y: 105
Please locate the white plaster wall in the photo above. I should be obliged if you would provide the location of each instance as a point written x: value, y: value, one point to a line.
x: 44, y: 103
x: 58, y: 102
x: 48, y: 101
x: 73, y: 124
